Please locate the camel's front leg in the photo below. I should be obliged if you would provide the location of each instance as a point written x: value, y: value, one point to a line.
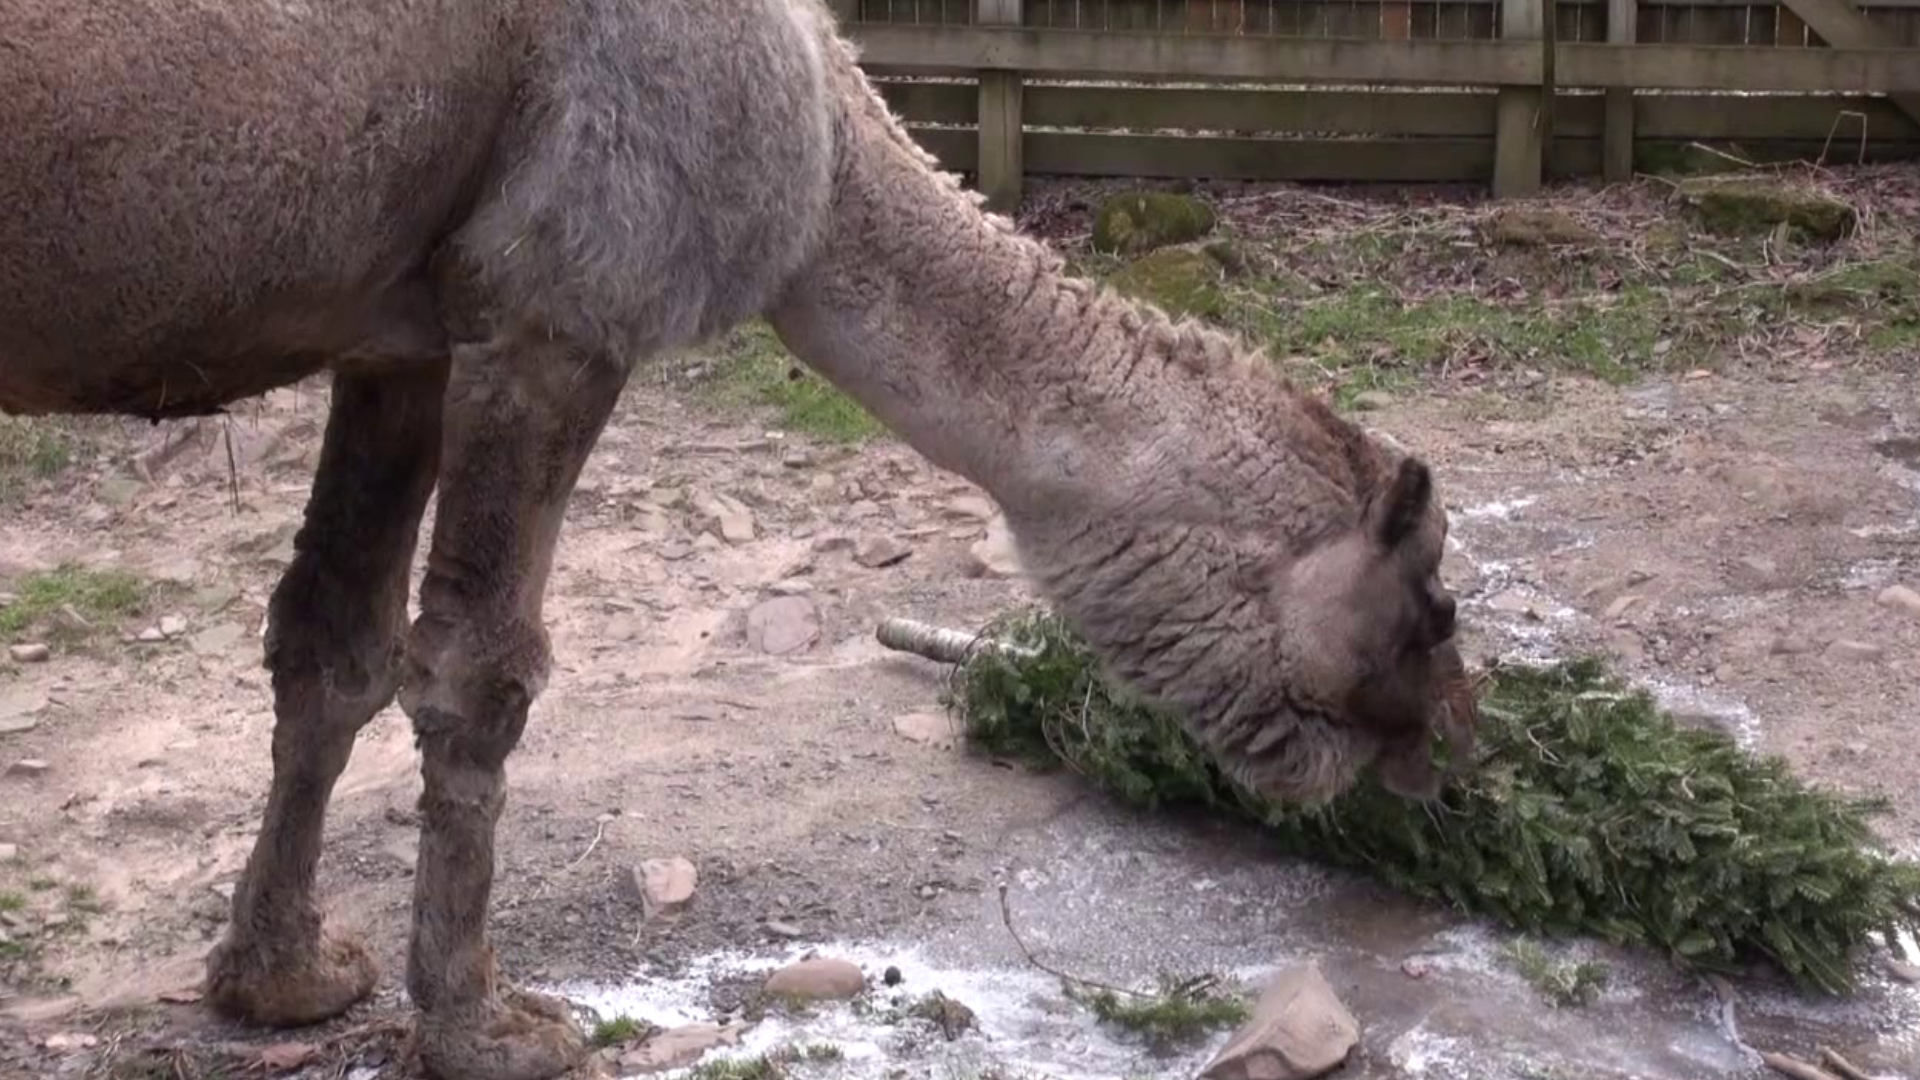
x: 333, y: 645
x: 521, y: 418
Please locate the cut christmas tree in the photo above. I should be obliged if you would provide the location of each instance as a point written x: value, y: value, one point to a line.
x: 1589, y: 810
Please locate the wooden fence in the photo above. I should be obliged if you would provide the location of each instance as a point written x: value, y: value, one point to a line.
x: 1502, y: 91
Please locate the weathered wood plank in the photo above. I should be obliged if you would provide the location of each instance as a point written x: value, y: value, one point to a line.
x: 1037, y: 52
x: 1519, y: 114
x: 1001, y: 168
x: 1402, y: 113
x: 1616, y: 156
x: 1468, y: 160
x: 1845, y: 27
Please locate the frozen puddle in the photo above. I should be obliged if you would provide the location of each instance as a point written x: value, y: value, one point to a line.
x: 1024, y: 1026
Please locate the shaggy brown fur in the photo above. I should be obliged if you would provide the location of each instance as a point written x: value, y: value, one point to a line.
x: 478, y: 214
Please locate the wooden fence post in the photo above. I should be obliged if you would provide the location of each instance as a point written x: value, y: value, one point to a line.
x: 1616, y: 146
x: 1000, y: 164
x: 1519, y: 111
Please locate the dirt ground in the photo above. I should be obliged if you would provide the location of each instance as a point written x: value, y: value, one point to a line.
x: 1723, y: 536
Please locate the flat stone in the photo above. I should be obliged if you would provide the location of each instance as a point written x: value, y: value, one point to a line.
x: 20, y: 710
x: 1792, y: 645
x: 678, y: 1047
x: 666, y: 885
x: 217, y: 639
x: 1372, y: 400
x: 29, y: 767
x: 724, y: 515
x: 9, y: 852
x: 1513, y: 602
x: 784, y: 930
x: 152, y: 635
x: 1900, y: 598
x: 1860, y: 652
x: 877, y: 551
x: 1904, y: 970
x: 783, y: 625
x: 1299, y: 1030
x: 817, y: 978
x: 933, y: 729
x: 791, y: 587
x: 1622, y: 605
x: 173, y: 626
x: 977, y: 507
x: 29, y: 653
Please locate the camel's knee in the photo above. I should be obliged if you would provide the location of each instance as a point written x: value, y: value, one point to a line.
x: 334, y: 631
x: 469, y: 685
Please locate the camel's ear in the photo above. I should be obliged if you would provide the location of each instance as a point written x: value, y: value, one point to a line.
x: 1397, y: 509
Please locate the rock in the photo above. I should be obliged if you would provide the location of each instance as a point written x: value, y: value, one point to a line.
x: 953, y: 1018
x: 1299, y: 1030
x: 976, y: 507
x: 1896, y: 597
x: 932, y: 729
x: 1621, y: 605
x: 29, y: 768
x: 1512, y: 602
x: 892, y: 976
x: 791, y: 587
x: 725, y: 516
x: 827, y: 545
x: 817, y: 978
x: 1534, y: 228
x: 995, y: 555
x: 1138, y: 222
x: 1744, y: 207
x: 1903, y: 970
x: 878, y: 551
x: 9, y: 852
x: 1372, y: 400
x: 70, y: 1040
x: 20, y: 710
x: 1854, y: 651
x: 216, y: 639
x: 784, y: 930
x: 30, y: 653
x: 1179, y: 281
x: 1792, y: 645
x: 678, y: 1047
x: 666, y: 885
x: 782, y: 625
x: 152, y: 635
x: 173, y: 626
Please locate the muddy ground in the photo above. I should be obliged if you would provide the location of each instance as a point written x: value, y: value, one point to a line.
x: 1721, y: 528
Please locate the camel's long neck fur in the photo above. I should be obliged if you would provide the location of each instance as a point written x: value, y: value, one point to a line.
x: 1149, y: 471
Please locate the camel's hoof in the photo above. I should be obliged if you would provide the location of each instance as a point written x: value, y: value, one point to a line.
x: 259, y: 984
x: 519, y: 1036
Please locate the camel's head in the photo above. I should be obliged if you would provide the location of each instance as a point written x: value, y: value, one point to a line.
x: 1367, y: 630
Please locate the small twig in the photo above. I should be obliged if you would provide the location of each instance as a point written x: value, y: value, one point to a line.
x: 599, y: 830
x: 1006, y: 917
x: 1787, y: 1065
x: 1831, y: 1059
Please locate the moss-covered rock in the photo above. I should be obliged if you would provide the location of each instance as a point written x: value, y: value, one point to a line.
x: 1535, y: 228
x: 1141, y: 221
x: 1752, y: 207
x: 1179, y: 281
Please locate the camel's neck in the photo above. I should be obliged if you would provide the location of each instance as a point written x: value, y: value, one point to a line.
x: 1064, y: 402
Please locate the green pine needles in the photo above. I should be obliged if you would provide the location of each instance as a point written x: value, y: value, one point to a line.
x: 1591, y: 811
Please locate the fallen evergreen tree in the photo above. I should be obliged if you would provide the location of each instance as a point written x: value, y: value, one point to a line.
x: 1589, y: 809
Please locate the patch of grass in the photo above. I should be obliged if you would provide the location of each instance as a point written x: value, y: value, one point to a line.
x: 761, y: 1067
x: 12, y: 901
x: 42, y: 884
x: 1368, y: 328
x: 98, y: 596
x: 816, y: 1053
x: 754, y: 370
x: 1182, y: 1010
x: 31, y: 448
x: 1588, y: 810
x: 619, y: 1030
x: 84, y: 898
x: 1563, y: 984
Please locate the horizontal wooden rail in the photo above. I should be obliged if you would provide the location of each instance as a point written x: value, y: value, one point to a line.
x: 1127, y: 54
x: 1399, y: 113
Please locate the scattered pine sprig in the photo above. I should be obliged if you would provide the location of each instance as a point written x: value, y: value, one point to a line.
x: 1590, y: 811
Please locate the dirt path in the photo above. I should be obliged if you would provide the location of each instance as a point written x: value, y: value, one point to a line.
x: 1724, y: 537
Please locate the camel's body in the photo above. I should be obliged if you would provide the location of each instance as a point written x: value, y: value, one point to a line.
x: 479, y: 214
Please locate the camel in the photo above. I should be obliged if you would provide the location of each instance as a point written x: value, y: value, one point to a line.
x: 477, y: 217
